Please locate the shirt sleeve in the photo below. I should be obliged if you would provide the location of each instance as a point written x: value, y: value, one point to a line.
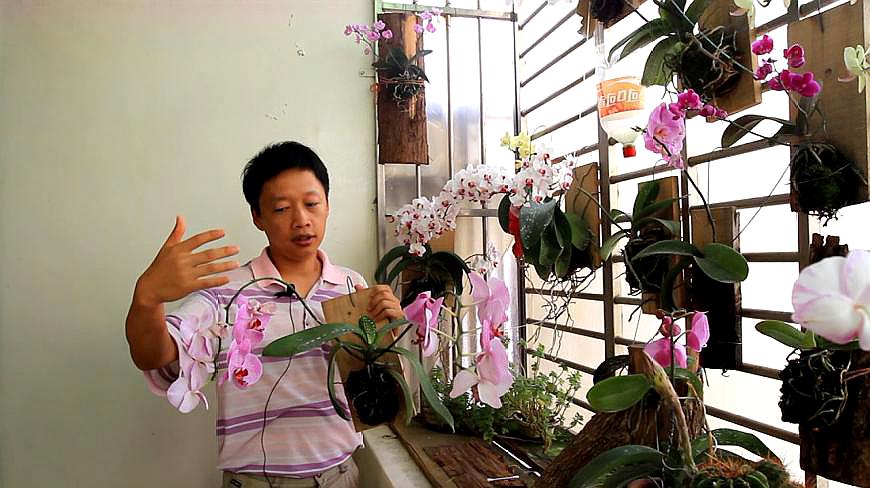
x: 195, y: 327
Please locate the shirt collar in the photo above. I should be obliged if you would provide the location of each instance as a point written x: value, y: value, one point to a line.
x: 263, y: 267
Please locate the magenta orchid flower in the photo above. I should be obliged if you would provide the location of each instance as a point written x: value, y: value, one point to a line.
x: 664, y: 135
x: 492, y: 377
x: 251, y: 321
x: 491, y: 298
x: 763, y: 71
x: 832, y: 298
x: 794, y: 55
x: 424, y: 312
x: 661, y: 351
x: 699, y: 334
x: 689, y: 100
x: 762, y: 45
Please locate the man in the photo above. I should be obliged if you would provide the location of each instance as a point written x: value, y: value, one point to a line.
x: 290, y: 436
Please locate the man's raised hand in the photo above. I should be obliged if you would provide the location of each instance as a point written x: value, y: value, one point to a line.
x: 178, y: 271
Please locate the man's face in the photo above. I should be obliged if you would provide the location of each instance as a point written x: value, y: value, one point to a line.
x: 293, y: 212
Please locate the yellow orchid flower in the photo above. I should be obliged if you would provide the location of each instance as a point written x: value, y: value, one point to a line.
x: 521, y: 143
x: 857, y: 65
x: 506, y: 140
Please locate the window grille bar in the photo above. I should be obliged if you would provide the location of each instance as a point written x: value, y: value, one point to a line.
x: 547, y: 34
x: 451, y: 12
x: 753, y: 424
x: 641, y: 173
x: 780, y: 199
x: 771, y: 257
x: 583, y: 150
x: 531, y: 16
x: 559, y: 293
x: 563, y: 123
x: 564, y: 362
x: 753, y: 313
x: 558, y: 92
x: 554, y: 61
x: 730, y: 151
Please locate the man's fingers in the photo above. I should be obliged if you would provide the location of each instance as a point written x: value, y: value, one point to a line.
x: 213, y: 268
x: 201, y: 238
x: 213, y: 254
x: 177, y: 232
x: 359, y: 287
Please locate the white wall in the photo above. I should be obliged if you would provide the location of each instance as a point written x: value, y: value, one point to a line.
x: 115, y: 116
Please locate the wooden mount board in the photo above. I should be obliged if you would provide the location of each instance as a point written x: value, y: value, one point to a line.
x: 668, y: 189
x: 823, y: 38
x: 470, y: 464
x: 348, y: 309
x: 402, y: 136
x: 747, y: 93
x: 721, y: 301
x: 584, y: 10
x: 587, y: 177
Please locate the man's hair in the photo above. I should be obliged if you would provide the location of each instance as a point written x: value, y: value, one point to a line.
x: 272, y: 161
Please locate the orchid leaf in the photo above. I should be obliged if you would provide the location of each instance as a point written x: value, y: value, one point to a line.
x: 736, y: 438
x: 307, y: 339
x: 672, y: 226
x: 550, y: 247
x: 610, y: 243
x: 455, y: 265
x: 581, y: 236
x: 389, y: 257
x: 382, y: 332
x: 722, y: 263
x: 672, y: 246
x: 619, y: 459
x: 618, y: 393
x: 644, y: 35
x: 742, y: 125
x: 783, y: 333
x: 562, y: 228
x: 563, y: 262
x: 330, y: 384
x: 534, y: 219
x: 426, y: 386
x: 654, y: 207
x: 406, y: 390
x: 696, y: 9
x: 656, y: 70
x: 504, y: 208
x: 399, y: 267
x: 543, y: 271
x: 618, y: 216
x: 691, y: 377
x: 646, y: 196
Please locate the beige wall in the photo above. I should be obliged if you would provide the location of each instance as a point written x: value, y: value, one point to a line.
x: 115, y: 116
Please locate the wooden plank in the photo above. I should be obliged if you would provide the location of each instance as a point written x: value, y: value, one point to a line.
x: 747, y: 93
x: 401, y: 126
x: 721, y: 301
x: 584, y: 10
x: 668, y: 190
x: 823, y: 37
x: 472, y: 464
x: 348, y: 309
x: 578, y: 202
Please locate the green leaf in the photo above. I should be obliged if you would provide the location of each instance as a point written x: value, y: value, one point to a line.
x: 672, y: 226
x: 382, y: 332
x: 675, y: 19
x: 691, y: 377
x: 654, y: 207
x: 742, y: 125
x: 543, y: 271
x: 426, y: 387
x: 619, y: 216
x: 455, y: 265
x: 504, y: 208
x: 655, y: 29
x: 401, y: 266
x: 646, y: 196
x: 330, y: 384
x: 409, y: 399
x: 389, y: 257
x: 644, y: 35
x: 672, y: 246
x: 550, y: 247
x: 731, y: 437
x: 610, y: 243
x: 783, y: 332
x: 656, y: 70
x: 723, y: 263
x: 307, y: 339
x: 697, y: 8
x: 618, y: 393
x: 534, y: 219
x: 581, y: 235
x: 369, y: 330
x: 563, y: 262
x: 597, y: 471
x: 562, y: 227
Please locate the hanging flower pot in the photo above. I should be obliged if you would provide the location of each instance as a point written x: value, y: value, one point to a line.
x: 822, y: 180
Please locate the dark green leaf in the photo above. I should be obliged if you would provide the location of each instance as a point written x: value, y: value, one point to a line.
x: 697, y: 8
x: 562, y: 228
x: 543, y: 271
x: 426, y: 386
x: 420, y: 54
x: 672, y: 246
x: 307, y: 339
x: 330, y: 384
x: 783, y: 332
x: 723, y: 263
x: 656, y: 70
x: 382, y: 332
x: 550, y: 247
x: 618, y: 393
x: 685, y: 374
x: 656, y: 31
x: 644, y: 35
x: 731, y: 437
x: 534, y: 219
x: 597, y: 471
x: 646, y: 196
x: 654, y: 207
x: 401, y: 266
x: 504, y: 208
x: 581, y: 236
x: 457, y: 267
x: 619, y: 216
x: 672, y: 226
x: 409, y: 399
x: 563, y: 262
x: 742, y: 125
x: 610, y: 243
x: 389, y: 257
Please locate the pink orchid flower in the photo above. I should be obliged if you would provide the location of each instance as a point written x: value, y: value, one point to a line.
x: 491, y: 298
x: 660, y: 351
x: 243, y: 367
x: 762, y: 45
x: 699, y: 334
x: 763, y: 71
x: 689, y: 100
x: 251, y: 321
x: 794, y: 55
x: 832, y: 298
x: 424, y: 312
x: 664, y: 135
x: 492, y: 378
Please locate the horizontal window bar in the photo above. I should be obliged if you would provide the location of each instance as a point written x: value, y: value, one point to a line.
x: 780, y: 199
x: 804, y: 11
x: 554, y: 61
x: 652, y: 170
x: 730, y: 151
x: 771, y: 257
x: 558, y: 293
x: 754, y: 425
x: 563, y: 123
x: 564, y: 328
x: 580, y: 403
x: 753, y: 313
x: 558, y: 92
x: 583, y: 150
x: 531, y: 16
x: 478, y: 212
x: 564, y: 362
x: 621, y: 300
x: 450, y: 11
x: 547, y: 34
x: 759, y: 371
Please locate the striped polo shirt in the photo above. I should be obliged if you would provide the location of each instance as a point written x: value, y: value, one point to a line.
x: 303, y: 435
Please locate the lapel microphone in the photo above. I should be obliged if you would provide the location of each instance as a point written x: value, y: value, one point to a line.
x: 289, y: 292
